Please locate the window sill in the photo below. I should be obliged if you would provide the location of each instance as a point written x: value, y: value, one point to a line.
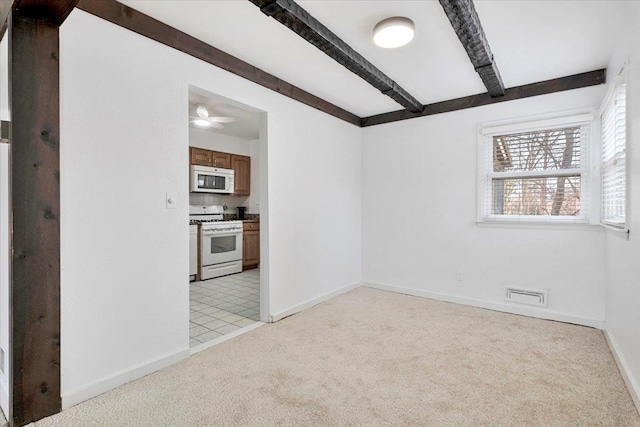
x: 540, y: 225
x: 621, y: 233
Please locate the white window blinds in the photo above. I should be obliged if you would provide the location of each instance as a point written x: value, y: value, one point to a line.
x: 613, y: 158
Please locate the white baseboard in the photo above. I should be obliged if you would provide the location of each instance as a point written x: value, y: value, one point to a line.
x: 630, y: 381
x: 102, y: 386
x: 310, y: 303
x: 493, y: 305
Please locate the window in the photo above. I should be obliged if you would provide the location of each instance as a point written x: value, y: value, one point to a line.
x: 536, y: 171
x: 613, y: 171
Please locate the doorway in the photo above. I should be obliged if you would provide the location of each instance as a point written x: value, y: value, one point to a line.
x: 227, y: 190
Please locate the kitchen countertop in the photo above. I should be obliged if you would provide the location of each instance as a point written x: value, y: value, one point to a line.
x: 225, y: 220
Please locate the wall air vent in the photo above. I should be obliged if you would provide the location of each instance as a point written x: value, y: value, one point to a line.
x: 527, y: 296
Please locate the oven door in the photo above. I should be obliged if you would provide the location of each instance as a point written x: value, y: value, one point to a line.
x: 220, y: 246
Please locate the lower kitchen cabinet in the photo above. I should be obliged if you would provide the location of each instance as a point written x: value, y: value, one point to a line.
x: 250, y: 245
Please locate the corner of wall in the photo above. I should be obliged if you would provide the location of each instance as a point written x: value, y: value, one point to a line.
x: 623, y: 366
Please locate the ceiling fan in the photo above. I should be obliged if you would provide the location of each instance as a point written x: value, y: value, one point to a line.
x: 204, y: 120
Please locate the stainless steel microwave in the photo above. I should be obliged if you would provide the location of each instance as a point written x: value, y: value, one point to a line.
x: 211, y: 180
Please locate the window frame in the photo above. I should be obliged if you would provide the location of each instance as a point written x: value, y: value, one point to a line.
x: 588, y: 173
x: 620, y: 80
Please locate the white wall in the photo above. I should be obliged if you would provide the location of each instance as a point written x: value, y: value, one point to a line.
x: 5, y: 250
x: 124, y: 133
x: 419, y: 212
x: 4, y: 78
x: 623, y: 268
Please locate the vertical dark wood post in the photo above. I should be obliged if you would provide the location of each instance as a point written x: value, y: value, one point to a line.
x: 35, y: 279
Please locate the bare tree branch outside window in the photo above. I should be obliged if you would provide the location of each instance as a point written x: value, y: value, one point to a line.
x: 556, y: 193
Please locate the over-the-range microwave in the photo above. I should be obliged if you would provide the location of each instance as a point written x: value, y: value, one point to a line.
x: 211, y: 180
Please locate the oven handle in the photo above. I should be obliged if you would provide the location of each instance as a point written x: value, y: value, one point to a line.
x: 222, y: 233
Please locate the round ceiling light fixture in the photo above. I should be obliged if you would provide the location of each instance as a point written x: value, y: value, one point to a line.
x: 203, y: 114
x: 393, y: 32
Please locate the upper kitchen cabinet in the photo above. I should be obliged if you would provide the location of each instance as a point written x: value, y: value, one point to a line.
x: 242, y: 168
x: 200, y: 157
x: 221, y: 160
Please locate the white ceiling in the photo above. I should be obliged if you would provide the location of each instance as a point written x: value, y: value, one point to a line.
x: 247, y: 125
x: 531, y: 41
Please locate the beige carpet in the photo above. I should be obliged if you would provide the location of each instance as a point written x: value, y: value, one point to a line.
x: 374, y: 358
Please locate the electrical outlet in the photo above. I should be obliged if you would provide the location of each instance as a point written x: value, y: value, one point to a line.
x: 459, y: 276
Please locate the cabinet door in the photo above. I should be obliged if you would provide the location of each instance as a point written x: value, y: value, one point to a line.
x: 250, y: 249
x: 221, y: 160
x: 200, y: 157
x: 242, y: 167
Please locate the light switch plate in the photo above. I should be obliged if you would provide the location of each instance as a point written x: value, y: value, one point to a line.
x: 172, y: 200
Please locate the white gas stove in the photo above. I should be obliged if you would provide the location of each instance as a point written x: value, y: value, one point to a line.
x: 220, y: 241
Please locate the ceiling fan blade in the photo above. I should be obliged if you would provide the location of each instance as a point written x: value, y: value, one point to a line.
x: 220, y: 119
x: 211, y: 124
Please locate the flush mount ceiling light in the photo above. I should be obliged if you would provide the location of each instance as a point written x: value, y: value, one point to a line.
x: 393, y: 32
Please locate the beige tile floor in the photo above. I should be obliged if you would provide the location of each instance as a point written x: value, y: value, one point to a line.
x: 222, y: 305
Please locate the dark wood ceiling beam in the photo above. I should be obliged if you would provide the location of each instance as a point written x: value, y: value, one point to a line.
x: 575, y: 81
x: 54, y: 11
x: 290, y: 14
x: 465, y: 22
x: 133, y: 20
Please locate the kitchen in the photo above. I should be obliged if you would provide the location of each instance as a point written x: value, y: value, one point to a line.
x: 224, y: 218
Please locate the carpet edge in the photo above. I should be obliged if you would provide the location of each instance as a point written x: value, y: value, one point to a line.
x: 632, y: 386
x: 111, y: 382
x: 275, y: 317
x: 491, y: 305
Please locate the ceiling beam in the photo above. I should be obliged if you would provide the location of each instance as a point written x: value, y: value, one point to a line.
x: 133, y: 20
x: 54, y: 11
x: 575, y: 81
x: 290, y: 14
x: 465, y: 22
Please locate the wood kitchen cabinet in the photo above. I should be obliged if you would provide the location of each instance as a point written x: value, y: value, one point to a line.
x: 217, y: 159
x: 242, y: 168
x: 250, y: 245
x: 221, y: 160
x: 200, y: 157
